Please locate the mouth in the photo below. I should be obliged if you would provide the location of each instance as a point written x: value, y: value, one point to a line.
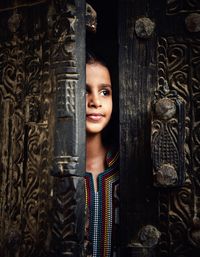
x: 94, y: 116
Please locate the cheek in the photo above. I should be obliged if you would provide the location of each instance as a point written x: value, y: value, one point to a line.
x: 110, y: 108
x: 111, y: 111
x: 86, y: 100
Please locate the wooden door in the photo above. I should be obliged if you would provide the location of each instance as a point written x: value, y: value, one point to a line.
x: 42, y: 78
x: 159, y: 84
x: 42, y: 129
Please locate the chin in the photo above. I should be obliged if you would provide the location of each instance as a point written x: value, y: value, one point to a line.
x: 93, y: 132
x: 94, y: 129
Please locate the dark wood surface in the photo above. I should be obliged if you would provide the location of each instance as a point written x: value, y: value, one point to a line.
x: 42, y: 138
x: 170, y: 54
x: 137, y: 80
x: 42, y: 125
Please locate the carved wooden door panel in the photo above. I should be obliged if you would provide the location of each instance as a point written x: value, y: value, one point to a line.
x: 42, y: 128
x: 159, y: 83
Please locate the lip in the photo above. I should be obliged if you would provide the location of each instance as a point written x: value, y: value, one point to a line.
x: 94, y: 116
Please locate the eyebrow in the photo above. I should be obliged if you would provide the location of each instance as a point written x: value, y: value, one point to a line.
x: 101, y: 85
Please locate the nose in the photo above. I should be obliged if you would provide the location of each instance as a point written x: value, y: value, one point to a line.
x: 94, y: 100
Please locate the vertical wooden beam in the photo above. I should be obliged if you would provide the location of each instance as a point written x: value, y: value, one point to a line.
x: 136, y: 83
x: 68, y: 70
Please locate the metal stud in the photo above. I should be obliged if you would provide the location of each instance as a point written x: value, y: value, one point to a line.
x: 144, y: 27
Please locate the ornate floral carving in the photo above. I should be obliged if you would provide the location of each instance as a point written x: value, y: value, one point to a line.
x: 25, y: 94
x: 181, y: 206
x: 168, y: 123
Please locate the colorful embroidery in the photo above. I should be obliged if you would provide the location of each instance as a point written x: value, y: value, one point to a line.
x: 101, y: 224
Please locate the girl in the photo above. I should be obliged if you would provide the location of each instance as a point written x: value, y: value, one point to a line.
x: 102, y: 176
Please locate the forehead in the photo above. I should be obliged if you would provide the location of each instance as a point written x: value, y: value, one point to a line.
x: 96, y: 72
x: 96, y: 66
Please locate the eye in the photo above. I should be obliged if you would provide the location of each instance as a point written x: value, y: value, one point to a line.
x: 105, y: 92
x: 87, y: 90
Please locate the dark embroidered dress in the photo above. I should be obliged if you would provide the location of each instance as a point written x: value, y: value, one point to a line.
x: 102, y: 210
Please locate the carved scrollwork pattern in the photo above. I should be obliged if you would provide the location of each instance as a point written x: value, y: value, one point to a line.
x: 185, y: 6
x: 168, y: 135
x: 41, y: 60
x: 181, y: 206
x: 26, y: 107
x: 66, y: 234
x: 168, y: 124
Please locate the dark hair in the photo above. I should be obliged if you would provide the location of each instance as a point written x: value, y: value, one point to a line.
x: 92, y: 58
x: 110, y: 132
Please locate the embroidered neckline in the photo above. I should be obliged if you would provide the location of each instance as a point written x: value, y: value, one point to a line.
x: 110, y: 161
x: 101, y: 234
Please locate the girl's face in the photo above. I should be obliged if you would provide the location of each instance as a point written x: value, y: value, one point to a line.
x: 98, y: 98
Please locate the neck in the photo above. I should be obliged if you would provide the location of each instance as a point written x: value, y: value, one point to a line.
x: 95, y: 153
